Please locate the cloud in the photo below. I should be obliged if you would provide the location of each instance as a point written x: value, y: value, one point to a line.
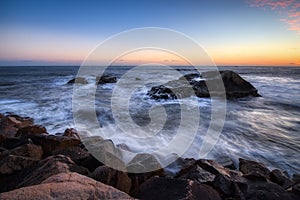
x: 290, y: 9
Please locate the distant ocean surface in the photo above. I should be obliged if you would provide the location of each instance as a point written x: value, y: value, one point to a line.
x: 265, y: 129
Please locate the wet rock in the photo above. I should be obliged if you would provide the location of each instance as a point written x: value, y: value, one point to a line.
x: 71, y: 132
x: 253, y: 170
x: 106, y: 79
x: 51, y: 143
x: 51, y: 166
x: 226, y: 162
x: 181, y: 166
x: 11, y: 143
x: 112, y: 177
x: 267, y: 191
x: 141, y: 168
x: 66, y: 186
x: 28, y: 150
x: 76, y: 153
x: 163, y: 188
x: 277, y: 176
x: 12, y: 164
x: 296, y: 189
x: 91, y: 163
x: 9, y: 125
x: 196, y: 84
x: 213, y: 167
x: 296, y: 178
x: 27, y: 131
x: 199, y: 175
x: 78, y: 80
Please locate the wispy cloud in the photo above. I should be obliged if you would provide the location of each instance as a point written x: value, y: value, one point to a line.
x: 290, y: 9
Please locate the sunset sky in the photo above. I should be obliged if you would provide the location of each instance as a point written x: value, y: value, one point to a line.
x: 233, y: 32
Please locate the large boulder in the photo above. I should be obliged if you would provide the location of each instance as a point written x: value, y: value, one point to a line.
x: 112, y: 177
x: 28, y: 150
x: 253, y: 170
x: 196, y: 84
x: 66, y: 186
x: 28, y: 131
x: 164, y: 188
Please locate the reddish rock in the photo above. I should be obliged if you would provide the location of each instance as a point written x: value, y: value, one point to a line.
x: 51, y: 143
x: 30, y: 130
x: 66, y: 186
x: 163, y: 188
x: 76, y: 153
x: 71, y: 132
x: 12, y: 164
x: 112, y: 177
x: 78, y: 80
x: 10, y: 124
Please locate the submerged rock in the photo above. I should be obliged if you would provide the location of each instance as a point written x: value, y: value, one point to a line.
x: 66, y: 186
x: 196, y: 84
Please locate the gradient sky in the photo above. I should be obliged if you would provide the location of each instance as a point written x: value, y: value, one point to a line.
x: 233, y: 32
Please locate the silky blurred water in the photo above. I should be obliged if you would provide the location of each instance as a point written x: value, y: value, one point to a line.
x: 265, y: 129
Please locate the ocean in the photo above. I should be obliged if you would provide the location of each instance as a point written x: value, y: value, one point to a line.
x: 266, y: 129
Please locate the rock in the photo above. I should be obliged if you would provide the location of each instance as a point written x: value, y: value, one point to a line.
x: 10, y: 124
x: 199, y: 175
x: 76, y: 153
x: 27, y: 131
x: 51, y: 143
x: 213, y: 167
x: 226, y: 162
x: 163, y: 188
x: 296, y: 178
x: 28, y: 150
x: 51, y: 166
x: 142, y: 163
x: 91, y: 163
x: 112, y: 177
x: 296, y: 189
x: 12, y: 164
x: 11, y: 143
x: 66, y: 186
x: 71, y: 132
x: 106, y: 79
x: 196, y: 84
x: 141, y: 168
x: 281, y: 179
x: 253, y: 170
x: 78, y: 80
x: 267, y: 191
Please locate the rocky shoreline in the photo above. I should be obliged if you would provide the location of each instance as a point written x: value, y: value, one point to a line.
x: 37, y: 165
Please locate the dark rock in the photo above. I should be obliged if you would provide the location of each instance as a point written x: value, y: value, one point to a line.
x: 142, y: 163
x: 78, y: 80
x: 296, y: 178
x: 197, y: 174
x: 112, y: 177
x: 10, y: 143
x: 106, y: 79
x: 163, y: 188
x: 28, y: 150
x: 76, y: 153
x: 10, y: 124
x: 188, y: 85
x: 51, y: 143
x: 281, y: 179
x: 91, y: 163
x: 27, y: 131
x: 226, y: 162
x: 253, y: 170
x: 71, y: 132
x: 141, y: 168
x: 213, y: 167
x: 296, y: 189
x: 267, y: 191
x: 67, y: 186
x: 12, y: 164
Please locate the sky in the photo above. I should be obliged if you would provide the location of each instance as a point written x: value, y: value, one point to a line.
x: 232, y: 32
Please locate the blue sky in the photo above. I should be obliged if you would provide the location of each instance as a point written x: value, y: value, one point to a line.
x: 63, y: 32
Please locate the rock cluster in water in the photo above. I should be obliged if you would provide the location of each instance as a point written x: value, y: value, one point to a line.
x: 197, y: 84
x: 37, y: 165
x: 99, y: 80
